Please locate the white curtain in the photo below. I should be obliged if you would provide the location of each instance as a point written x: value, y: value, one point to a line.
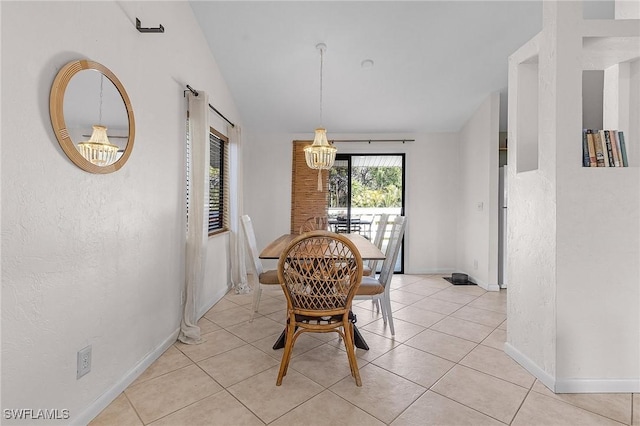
x: 237, y: 248
x: 196, y: 248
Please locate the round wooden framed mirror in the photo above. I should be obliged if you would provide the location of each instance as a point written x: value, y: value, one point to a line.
x: 92, y: 116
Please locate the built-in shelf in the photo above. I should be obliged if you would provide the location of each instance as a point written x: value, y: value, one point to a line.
x: 613, y: 46
x: 600, y: 53
x: 571, y: 228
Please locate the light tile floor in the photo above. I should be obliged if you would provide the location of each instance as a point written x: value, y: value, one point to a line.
x: 445, y: 366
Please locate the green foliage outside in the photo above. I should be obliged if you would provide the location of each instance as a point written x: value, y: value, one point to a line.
x: 371, y: 187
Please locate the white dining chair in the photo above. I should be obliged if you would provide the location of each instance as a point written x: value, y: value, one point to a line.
x: 372, y: 264
x: 379, y: 288
x: 269, y: 277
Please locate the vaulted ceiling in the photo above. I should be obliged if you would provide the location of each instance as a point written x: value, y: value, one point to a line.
x: 434, y: 62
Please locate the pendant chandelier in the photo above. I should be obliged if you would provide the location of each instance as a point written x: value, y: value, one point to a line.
x: 98, y: 150
x: 320, y: 155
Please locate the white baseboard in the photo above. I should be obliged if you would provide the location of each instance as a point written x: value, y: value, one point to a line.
x: 493, y: 287
x: 546, y: 379
x: 573, y: 385
x: 209, y: 304
x: 488, y: 287
x: 430, y: 272
x: 598, y: 385
x: 107, y: 398
x: 448, y: 271
x: 482, y: 284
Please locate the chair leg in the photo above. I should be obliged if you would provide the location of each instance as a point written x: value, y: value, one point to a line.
x: 383, y: 309
x: 387, y: 301
x: 376, y: 305
x: 351, y: 353
x: 286, y: 355
x: 343, y: 338
x: 256, y: 301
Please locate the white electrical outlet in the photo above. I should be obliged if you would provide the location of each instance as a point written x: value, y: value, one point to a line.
x: 84, y: 361
x: 475, y: 264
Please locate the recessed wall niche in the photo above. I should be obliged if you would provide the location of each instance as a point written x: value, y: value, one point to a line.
x: 592, y: 99
x: 527, y: 105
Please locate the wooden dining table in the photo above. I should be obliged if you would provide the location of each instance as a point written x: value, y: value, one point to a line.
x: 368, y: 251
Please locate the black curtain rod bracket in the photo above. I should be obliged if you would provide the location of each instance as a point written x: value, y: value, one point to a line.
x: 160, y: 29
x: 192, y: 90
x: 195, y: 93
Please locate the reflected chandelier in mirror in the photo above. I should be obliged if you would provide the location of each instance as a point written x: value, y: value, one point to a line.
x: 83, y: 104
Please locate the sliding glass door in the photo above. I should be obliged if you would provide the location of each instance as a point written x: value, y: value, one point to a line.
x: 361, y: 188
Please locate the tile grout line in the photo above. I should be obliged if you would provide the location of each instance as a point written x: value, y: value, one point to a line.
x: 465, y: 405
x: 458, y: 363
x: 378, y: 356
x: 133, y: 407
x: 430, y: 388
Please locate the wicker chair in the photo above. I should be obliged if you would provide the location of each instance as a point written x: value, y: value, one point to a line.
x: 319, y: 272
x: 315, y: 223
x: 263, y: 277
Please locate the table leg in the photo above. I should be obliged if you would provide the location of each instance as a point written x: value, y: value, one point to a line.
x: 357, y: 339
x: 279, y: 344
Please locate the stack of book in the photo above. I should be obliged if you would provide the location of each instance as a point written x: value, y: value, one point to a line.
x: 603, y: 148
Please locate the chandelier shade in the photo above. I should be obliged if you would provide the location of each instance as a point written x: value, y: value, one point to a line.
x: 320, y: 155
x: 98, y: 150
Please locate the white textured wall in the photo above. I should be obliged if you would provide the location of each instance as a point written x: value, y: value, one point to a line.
x: 574, y: 234
x: 431, y: 194
x: 477, y: 202
x: 598, y: 246
x: 93, y: 259
x: 531, y: 230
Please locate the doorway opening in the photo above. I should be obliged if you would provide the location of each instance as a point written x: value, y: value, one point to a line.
x: 361, y: 188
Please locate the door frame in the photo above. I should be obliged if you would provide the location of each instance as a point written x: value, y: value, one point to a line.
x: 348, y: 157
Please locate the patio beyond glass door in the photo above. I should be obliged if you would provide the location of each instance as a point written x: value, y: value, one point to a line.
x: 361, y: 188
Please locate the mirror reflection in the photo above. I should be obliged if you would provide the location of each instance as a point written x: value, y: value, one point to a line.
x: 92, y: 116
x: 96, y: 117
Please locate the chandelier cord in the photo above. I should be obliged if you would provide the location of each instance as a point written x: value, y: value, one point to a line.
x: 100, y: 113
x: 321, y: 66
x: 320, y: 155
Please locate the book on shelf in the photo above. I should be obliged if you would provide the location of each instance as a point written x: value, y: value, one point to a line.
x: 623, y: 149
x: 614, y: 147
x: 597, y: 142
x: 615, y: 135
x: 604, y: 148
x: 592, y: 149
x: 607, y: 140
x: 585, y: 149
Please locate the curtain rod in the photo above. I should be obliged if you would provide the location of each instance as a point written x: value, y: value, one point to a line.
x: 373, y: 140
x: 195, y: 93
